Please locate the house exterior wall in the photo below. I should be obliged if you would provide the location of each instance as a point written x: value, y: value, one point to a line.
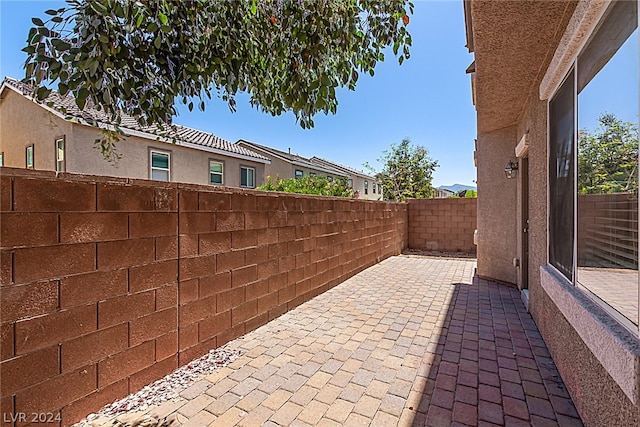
x: 278, y: 168
x: 496, y: 206
x: 108, y: 284
x: 534, y: 122
x: 358, y: 185
x: 23, y: 123
x: 187, y: 164
x: 598, y: 359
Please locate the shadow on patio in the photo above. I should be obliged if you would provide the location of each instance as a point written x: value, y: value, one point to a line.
x: 410, y: 341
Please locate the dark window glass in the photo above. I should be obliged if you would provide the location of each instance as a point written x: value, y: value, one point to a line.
x: 561, y: 184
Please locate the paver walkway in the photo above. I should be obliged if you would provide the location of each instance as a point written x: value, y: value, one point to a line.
x: 412, y: 341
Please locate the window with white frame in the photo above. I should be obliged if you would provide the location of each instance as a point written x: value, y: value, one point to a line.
x: 247, y: 177
x: 29, y: 157
x: 593, y: 167
x: 216, y: 172
x: 1, y: 158
x: 373, y: 188
x: 60, y: 155
x: 160, y: 165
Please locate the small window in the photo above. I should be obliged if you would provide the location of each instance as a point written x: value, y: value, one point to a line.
x: 329, y: 178
x: 216, y: 172
x: 60, y: 157
x: 160, y: 166
x: 1, y: 159
x: 373, y: 188
x: 299, y: 173
x: 247, y: 177
x: 366, y: 187
x: 29, y: 157
x: 312, y: 173
x: 350, y: 183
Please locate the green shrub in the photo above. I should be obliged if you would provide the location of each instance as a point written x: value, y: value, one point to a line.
x: 310, y: 184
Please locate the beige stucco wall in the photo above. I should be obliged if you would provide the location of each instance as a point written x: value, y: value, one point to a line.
x: 358, y: 185
x: 497, y: 203
x: 23, y: 122
x: 598, y: 397
x: 597, y: 358
x: 535, y: 123
x: 278, y: 168
x: 187, y: 164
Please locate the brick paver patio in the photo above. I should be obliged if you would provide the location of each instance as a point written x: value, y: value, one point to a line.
x: 412, y: 341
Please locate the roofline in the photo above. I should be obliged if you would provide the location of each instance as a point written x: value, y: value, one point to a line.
x: 261, y: 147
x: 134, y: 132
x: 468, y: 22
x: 344, y: 169
x: 266, y: 149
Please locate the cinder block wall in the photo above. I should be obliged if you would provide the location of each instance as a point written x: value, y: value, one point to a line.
x: 108, y: 284
x: 442, y: 224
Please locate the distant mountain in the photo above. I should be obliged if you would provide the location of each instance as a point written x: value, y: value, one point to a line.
x: 457, y: 187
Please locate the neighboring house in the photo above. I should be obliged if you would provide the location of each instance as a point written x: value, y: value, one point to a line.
x: 442, y: 193
x: 365, y: 185
x: 286, y: 165
x: 543, y: 70
x: 36, y: 136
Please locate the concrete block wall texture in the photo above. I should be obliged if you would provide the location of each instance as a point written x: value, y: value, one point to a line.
x: 607, y: 228
x: 109, y: 284
x: 442, y: 224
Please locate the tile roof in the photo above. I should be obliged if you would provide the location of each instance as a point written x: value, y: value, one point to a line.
x: 338, y: 166
x: 94, y: 117
x: 294, y: 158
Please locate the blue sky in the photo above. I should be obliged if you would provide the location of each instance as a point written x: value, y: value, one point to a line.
x: 427, y: 99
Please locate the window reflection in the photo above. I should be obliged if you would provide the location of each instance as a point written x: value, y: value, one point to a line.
x: 607, y: 162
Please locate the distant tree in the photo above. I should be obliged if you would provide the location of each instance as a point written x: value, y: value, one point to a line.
x: 310, y: 184
x: 608, y: 157
x: 466, y: 194
x: 139, y: 56
x: 407, y: 172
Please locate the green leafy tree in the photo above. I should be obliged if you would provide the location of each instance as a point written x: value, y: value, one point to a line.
x: 407, y: 172
x: 310, y: 184
x: 608, y: 157
x: 139, y: 57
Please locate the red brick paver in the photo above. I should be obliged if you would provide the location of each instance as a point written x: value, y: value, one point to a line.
x: 412, y: 341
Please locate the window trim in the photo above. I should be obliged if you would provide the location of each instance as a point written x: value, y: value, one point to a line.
x: 151, y: 168
x: 33, y: 156
x: 366, y: 187
x: 295, y: 173
x: 585, y: 292
x: 221, y: 162
x: 254, y: 176
x: 1, y: 159
x: 59, y: 138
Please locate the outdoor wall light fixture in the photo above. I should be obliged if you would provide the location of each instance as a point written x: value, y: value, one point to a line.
x: 511, y: 170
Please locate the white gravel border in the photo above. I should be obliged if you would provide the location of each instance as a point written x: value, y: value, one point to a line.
x: 167, y: 388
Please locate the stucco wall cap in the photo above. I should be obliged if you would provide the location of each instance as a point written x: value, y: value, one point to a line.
x: 616, y: 348
x: 584, y: 19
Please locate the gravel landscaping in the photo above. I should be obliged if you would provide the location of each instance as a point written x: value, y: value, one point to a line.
x: 165, y: 389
